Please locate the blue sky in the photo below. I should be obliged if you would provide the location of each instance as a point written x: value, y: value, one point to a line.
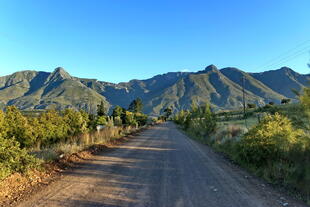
x: 119, y: 40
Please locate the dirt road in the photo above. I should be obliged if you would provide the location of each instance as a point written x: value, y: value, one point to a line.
x: 160, y: 167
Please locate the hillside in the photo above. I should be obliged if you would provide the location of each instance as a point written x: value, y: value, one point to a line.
x: 209, y: 85
x: 41, y: 90
x: 221, y: 88
x: 252, y: 84
x: 282, y: 80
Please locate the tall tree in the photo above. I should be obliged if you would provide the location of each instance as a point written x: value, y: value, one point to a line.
x: 168, y: 112
x: 101, y: 111
x: 117, y: 111
x: 136, y: 106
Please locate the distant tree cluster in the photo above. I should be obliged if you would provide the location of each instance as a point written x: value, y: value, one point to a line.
x: 285, y: 101
x: 133, y: 116
x: 136, y: 106
x: 199, y: 120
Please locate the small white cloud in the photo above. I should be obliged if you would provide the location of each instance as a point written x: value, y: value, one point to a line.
x: 185, y: 70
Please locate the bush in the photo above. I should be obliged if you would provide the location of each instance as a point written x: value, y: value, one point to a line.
x: 16, y: 125
x: 76, y: 121
x: 110, y: 122
x: 305, y: 102
x: 13, y: 158
x: 117, y: 111
x: 3, y: 128
x: 51, y: 128
x: 269, y: 141
x: 101, y: 120
x: 118, y: 121
x: 277, y: 148
x: 251, y: 105
x: 130, y: 119
x: 180, y: 117
x: 19, y: 133
x: 285, y: 101
x: 140, y: 118
x: 200, y: 121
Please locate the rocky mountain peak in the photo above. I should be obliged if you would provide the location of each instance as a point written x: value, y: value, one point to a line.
x: 59, y: 74
x: 61, y: 71
x: 211, y: 68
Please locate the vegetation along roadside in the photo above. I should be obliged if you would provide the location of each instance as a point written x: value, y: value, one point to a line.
x: 32, y: 146
x: 273, y: 142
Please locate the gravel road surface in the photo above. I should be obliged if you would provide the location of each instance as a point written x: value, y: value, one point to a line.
x: 159, y: 167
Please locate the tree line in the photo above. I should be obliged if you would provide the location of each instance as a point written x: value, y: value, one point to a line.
x: 20, y: 133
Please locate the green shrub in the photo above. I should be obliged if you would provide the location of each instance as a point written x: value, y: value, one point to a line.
x: 277, y: 148
x: 269, y: 141
x: 13, y: 158
x: 3, y: 128
x: 101, y: 120
x: 17, y: 126
x: 51, y: 128
x: 200, y: 121
x: 130, y: 119
x: 285, y: 101
x: 118, y: 121
x: 118, y: 111
x: 305, y: 102
x: 140, y: 118
x: 110, y: 122
x: 68, y: 128
x: 180, y: 117
x: 76, y: 122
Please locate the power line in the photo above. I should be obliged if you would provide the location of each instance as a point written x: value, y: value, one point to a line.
x: 290, y: 57
x: 286, y: 54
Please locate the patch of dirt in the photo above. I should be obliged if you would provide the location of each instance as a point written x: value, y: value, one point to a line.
x: 17, y: 187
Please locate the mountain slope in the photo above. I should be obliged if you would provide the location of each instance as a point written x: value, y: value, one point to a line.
x: 209, y: 85
x: 252, y: 84
x: 123, y: 93
x: 282, y: 81
x: 40, y: 90
x: 221, y: 88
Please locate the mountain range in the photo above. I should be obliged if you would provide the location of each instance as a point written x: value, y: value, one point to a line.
x: 222, y: 88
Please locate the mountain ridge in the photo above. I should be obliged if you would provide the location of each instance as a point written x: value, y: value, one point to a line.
x: 222, y: 88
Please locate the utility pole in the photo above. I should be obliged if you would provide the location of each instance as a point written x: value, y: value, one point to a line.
x: 243, y: 92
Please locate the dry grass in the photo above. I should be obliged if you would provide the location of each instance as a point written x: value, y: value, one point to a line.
x: 83, y: 141
x: 228, y: 132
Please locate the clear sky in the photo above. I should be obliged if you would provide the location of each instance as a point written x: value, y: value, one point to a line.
x: 119, y: 40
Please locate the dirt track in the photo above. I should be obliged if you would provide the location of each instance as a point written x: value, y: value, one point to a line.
x: 160, y: 167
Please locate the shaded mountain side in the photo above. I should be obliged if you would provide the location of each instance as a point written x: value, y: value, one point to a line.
x: 221, y: 88
x: 251, y: 84
x: 283, y: 80
x: 123, y: 93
